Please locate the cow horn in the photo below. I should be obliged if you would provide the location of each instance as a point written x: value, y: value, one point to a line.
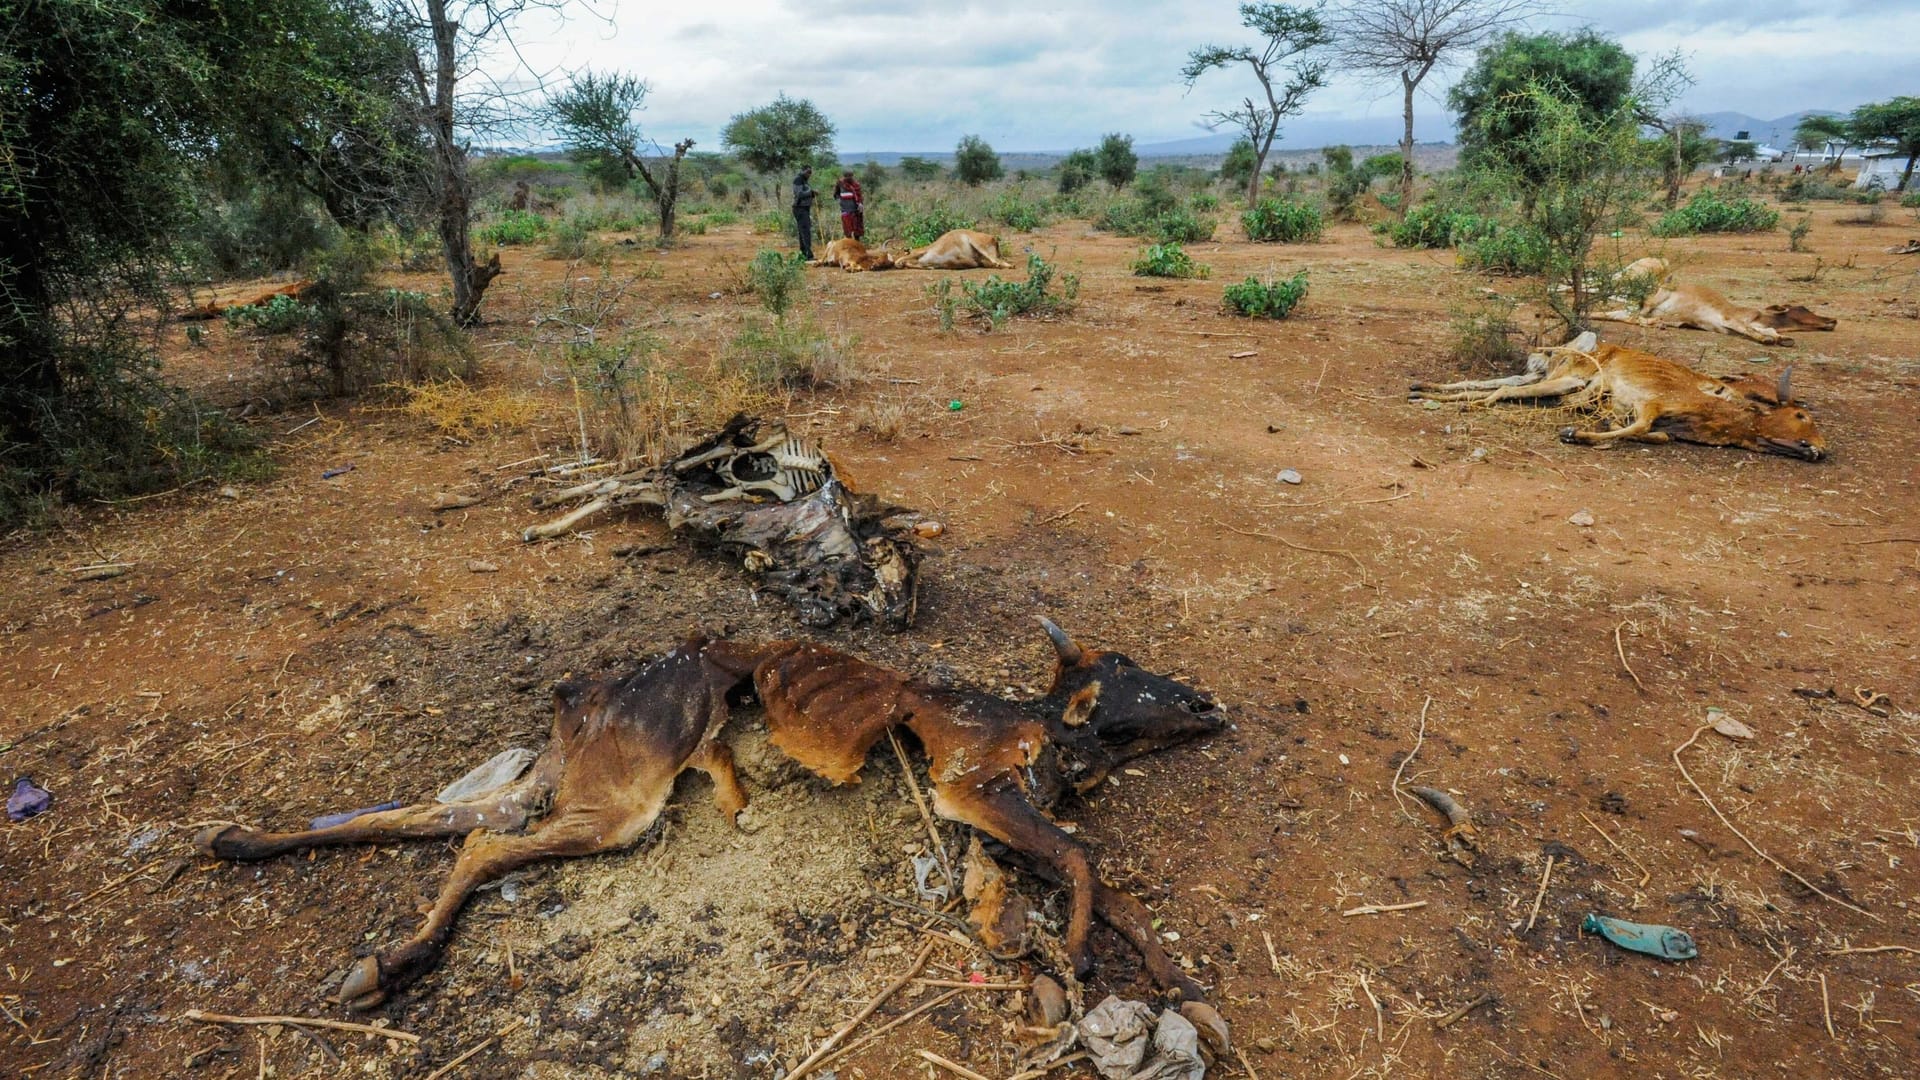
x: 1785, y: 390
x: 1069, y: 653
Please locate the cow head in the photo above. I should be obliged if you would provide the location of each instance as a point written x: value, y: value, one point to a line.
x: 1111, y: 710
x: 1783, y: 427
x: 1792, y: 317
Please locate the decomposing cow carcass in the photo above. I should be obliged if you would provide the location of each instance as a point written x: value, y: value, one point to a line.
x: 997, y: 765
x: 771, y: 499
x: 957, y: 249
x: 1660, y: 400
x: 1700, y: 308
x: 618, y: 744
x: 855, y: 257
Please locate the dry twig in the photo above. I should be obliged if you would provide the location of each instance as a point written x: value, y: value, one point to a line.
x: 953, y: 1067
x: 1622, y: 650
x: 1545, y: 876
x: 1417, y: 740
x: 1826, y: 1006
x: 1380, y: 909
x: 1645, y: 874
x: 813, y: 1060
x: 1460, y: 1013
x: 296, y: 1021
x: 1284, y: 542
x: 1873, y: 949
x: 476, y: 1048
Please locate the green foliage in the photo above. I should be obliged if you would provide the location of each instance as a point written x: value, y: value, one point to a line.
x: 998, y: 300
x: 513, y: 227
x: 1181, y: 225
x: 1506, y: 249
x: 279, y: 315
x: 1484, y: 339
x: 1735, y: 150
x: 1708, y: 212
x: 1496, y: 100
x: 1431, y: 225
x: 572, y: 238
x: 773, y: 138
x: 1077, y: 170
x: 919, y: 169
x: 1291, y: 36
x: 944, y: 303
x: 1205, y: 202
x: 778, y: 279
x: 1012, y: 209
x: 1381, y: 166
x: 1797, y: 235
x: 1237, y: 166
x: 1911, y: 200
x: 975, y: 163
x: 873, y: 178
x: 1267, y: 299
x: 925, y: 225
x: 1168, y: 260
x: 794, y: 355
x: 1115, y: 160
x: 1810, y: 185
x: 1282, y: 220
x: 1894, y: 124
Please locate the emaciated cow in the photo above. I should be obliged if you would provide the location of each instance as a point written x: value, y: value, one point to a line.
x: 1662, y: 400
x: 1701, y: 308
x: 958, y: 249
x: 617, y: 746
x: 854, y: 257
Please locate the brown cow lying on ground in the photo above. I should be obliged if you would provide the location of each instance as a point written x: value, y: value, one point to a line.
x: 617, y: 746
x: 1663, y: 400
x: 958, y: 249
x: 1701, y: 308
x: 855, y: 257
x: 213, y: 309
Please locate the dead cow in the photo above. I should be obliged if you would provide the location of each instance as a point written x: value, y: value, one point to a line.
x: 855, y: 257
x: 214, y: 309
x: 617, y: 746
x: 957, y: 249
x: 1661, y: 400
x: 1701, y: 308
x: 997, y: 765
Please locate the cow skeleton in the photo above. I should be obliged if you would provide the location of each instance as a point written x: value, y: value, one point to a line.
x: 781, y: 465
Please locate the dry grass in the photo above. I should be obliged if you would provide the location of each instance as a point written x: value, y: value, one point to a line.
x: 461, y: 410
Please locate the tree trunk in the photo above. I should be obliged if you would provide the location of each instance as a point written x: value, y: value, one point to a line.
x: 470, y: 278
x: 1679, y: 166
x: 1253, y: 184
x: 1409, y: 83
x: 29, y: 371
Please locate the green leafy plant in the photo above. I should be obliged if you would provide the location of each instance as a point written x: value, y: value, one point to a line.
x: 945, y: 304
x: 1009, y: 208
x: 924, y: 226
x: 1168, y: 260
x: 1506, y: 249
x: 572, y: 238
x: 1710, y: 212
x: 1797, y: 235
x: 279, y: 315
x: 778, y: 279
x: 998, y: 300
x: 1181, y: 226
x: 1267, y: 299
x: 1284, y: 221
x: 1431, y: 225
x: 513, y: 227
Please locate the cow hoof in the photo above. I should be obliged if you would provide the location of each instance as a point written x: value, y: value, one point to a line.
x: 217, y: 841
x: 1568, y: 435
x: 361, y: 989
x: 1211, y: 1026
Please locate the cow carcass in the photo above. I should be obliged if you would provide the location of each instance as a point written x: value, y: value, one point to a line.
x: 773, y: 500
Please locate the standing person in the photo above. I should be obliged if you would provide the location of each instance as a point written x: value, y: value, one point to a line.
x: 853, y: 214
x: 803, y: 210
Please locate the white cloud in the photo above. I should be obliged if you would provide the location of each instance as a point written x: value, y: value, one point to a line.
x: 1054, y: 74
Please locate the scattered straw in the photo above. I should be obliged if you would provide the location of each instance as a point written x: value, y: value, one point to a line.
x: 1540, y: 894
x: 448, y: 1068
x: 299, y: 1021
x: 1645, y: 874
x: 1622, y: 650
x: 813, y: 1060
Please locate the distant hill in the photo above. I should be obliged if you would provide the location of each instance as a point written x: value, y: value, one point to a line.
x: 1777, y: 132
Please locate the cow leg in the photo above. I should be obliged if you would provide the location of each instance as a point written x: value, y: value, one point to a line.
x: 506, y: 809
x: 1118, y: 909
x: 607, y: 824
x: 1525, y: 378
x: 1641, y: 430
x: 1543, y: 389
x: 1624, y: 315
x: 716, y: 760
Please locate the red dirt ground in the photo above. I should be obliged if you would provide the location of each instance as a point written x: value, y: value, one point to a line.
x: 306, y: 645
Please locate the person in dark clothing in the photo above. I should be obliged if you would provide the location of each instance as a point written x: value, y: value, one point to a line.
x: 853, y: 214
x: 803, y: 210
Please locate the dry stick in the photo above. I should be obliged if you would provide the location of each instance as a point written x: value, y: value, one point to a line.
x: 309, y: 1021
x: 1417, y: 740
x: 873, y: 1036
x: 1645, y: 874
x: 1826, y: 1006
x: 1297, y: 547
x: 1873, y: 949
x: 1545, y: 877
x: 953, y: 1067
x: 1460, y: 1013
x: 1622, y: 650
x: 1379, y: 909
x: 114, y: 884
x: 15, y: 1019
x: 961, y: 984
x: 1885, y: 540
x: 926, y: 815
x: 476, y: 1048
x: 1036, y: 1074
x: 873, y: 1006
x: 1777, y: 864
x: 1273, y: 958
x: 1062, y: 515
x: 1379, y: 1017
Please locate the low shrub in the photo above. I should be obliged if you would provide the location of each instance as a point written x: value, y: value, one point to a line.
x: 924, y: 226
x: 1433, y: 226
x: 1485, y: 340
x: 778, y: 280
x: 998, y: 300
x: 1506, y: 249
x: 573, y: 238
x: 1267, y: 299
x: 1283, y: 221
x: 1710, y: 212
x: 1811, y: 186
x: 793, y: 355
x: 1168, y: 260
x: 279, y: 315
x: 1181, y: 226
x: 1009, y: 208
x: 511, y: 228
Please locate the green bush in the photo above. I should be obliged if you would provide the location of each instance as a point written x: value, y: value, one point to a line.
x: 717, y: 217
x: 1123, y: 217
x: 924, y: 226
x: 1911, y: 200
x: 279, y: 315
x: 572, y: 238
x: 1506, y: 249
x: 1168, y: 260
x: 1709, y: 212
x: 999, y: 300
x: 1181, y: 226
x: 1205, y: 202
x: 1282, y: 220
x: 513, y: 227
x: 1430, y: 225
x: 1267, y: 299
x: 773, y: 222
x: 778, y: 279
x: 1009, y: 208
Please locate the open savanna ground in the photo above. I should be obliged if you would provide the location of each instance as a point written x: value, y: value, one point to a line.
x: 304, y: 645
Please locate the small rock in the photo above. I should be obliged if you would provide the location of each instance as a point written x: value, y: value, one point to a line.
x: 1265, y: 1045
x: 1275, y: 429
x: 229, y: 492
x: 1125, y: 429
x: 1288, y: 476
x: 479, y: 567
x: 1582, y: 517
x: 1727, y: 725
x: 1479, y: 454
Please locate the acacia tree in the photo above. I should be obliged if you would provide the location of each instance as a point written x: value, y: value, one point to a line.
x: 1408, y: 40
x: 1894, y: 124
x: 1659, y: 85
x: 1115, y: 160
x: 974, y: 162
x: 1814, y: 132
x: 1292, y: 39
x: 780, y: 136
x: 1497, y: 105
x: 594, y: 117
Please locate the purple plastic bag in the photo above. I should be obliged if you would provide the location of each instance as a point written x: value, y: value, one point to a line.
x: 328, y: 821
x: 28, y: 799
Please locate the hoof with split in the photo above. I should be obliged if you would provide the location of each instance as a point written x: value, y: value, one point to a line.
x: 222, y: 842
x: 361, y: 989
x: 1568, y: 435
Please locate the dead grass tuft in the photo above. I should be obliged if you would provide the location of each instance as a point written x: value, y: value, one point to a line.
x: 460, y: 410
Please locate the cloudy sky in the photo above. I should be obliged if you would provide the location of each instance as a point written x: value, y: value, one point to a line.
x: 915, y: 75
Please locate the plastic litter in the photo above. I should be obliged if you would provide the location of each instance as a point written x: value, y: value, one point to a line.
x: 328, y: 821
x: 1653, y: 939
x: 341, y: 471
x: 499, y: 770
x: 27, y: 800
x: 925, y: 865
x: 1126, y: 1042
x: 956, y: 405
x: 1288, y: 476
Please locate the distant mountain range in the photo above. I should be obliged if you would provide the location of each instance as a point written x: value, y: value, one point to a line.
x: 1777, y: 132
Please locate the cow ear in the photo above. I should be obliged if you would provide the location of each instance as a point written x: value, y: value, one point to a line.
x: 1081, y: 705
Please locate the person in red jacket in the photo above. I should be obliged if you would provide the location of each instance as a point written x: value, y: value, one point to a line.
x: 853, y: 217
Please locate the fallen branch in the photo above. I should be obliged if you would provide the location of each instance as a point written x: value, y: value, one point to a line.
x: 1777, y: 864
x: 962, y: 984
x: 1545, y: 876
x: 1284, y: 542
x: 813, y: 1060
x: 1622, y: 650
x: 476, y: 1048
x: 1873, y: 949
x: 953, y: 1067
x: 1460, y: 1013
x: 298, y: 1021
x: 1379, y: 1014
x: 1380, y: 909
x: 1417, y: 740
